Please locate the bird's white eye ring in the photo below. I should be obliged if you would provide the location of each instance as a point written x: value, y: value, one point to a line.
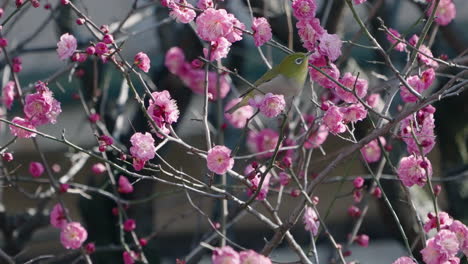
x: 298, y: 61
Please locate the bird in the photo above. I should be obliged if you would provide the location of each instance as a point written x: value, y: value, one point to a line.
x: 287, y: 79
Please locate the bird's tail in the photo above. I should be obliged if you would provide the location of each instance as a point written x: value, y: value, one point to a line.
x: 243, y: 102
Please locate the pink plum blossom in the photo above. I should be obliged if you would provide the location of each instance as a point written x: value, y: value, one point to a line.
x: 129, y: 257
x: 219, y: 49
x: 66, y: 46
x: 142, y: 148
x: 57, y: 216
x: 374, y: 100
x: 261, y: 141
x: 329, y: 68
x: 334, y: 120
x: 404, y: 260
x: 352, y: 83
x: 19, y: 132
x: 255, y: 181
x: 41, y: 107
x: 372, y: 151
x: 317, y: 137
x: 419, y: 84
x: 205, y: 4
x: 304, y: 9
x: 101, y: 48
x: 446, y: 243
x: 358, y: 183
x: 225, y: 255
x: 8, y: 93
x: 411, y: 170
x: 272, y: 105
x: 311, y: 221
x: 251, y: 257
x: 391, y: 38
x: 283, y: 178
x: 174, y: 60
x: 142, y: 61
x: 129, y: 225
x: 261, y: 31
x: 219, y: 159
x: 445, y: 221
x: 213, y: 24
x: 182, y: 13
x: 238, y: 118
x: 362, y: 240
x: 73, y: 235
x: 309, y: 31
x: 330, y: 46
x: 124, y: 185
x: 98, y: 168
x: 236, y: 33
x: 36, y: 169
x: 461, y: 231
x: 445, y: 13
x: 422, y: 125
x: 163, y: 110
x: 358, y: 2
x: 354, y: 113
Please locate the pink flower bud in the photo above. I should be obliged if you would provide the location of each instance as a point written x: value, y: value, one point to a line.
x: 104, y: 29
x: 358, y: 182
x: 79, y: 57
x: 3, y: 42
x: 437, y: 189
x: 377, y: 193
x: 35, y: 3
x: 94, y: 118
x: 98, y: 168
x: 287, y: 162
x: 124, y: 185
x: 325, y: 105
x: 143, y: 241
x: 354, y: 212
x: 90, y: 50
x: 197, y: 64
x: 80, y: 21
x: 1, y: 12
x: 295, y: 193
x: 101, y: 48
x: 357, y: 195
x: 63, y: 187
x: 90, y: 248
x: 47, y: 6
x: 36, y: 169
x: 362, y: 240
x: 17, y: 68
x: 115, y: 211
x: 64, y: 2
x: 129, y: 225
x: 108, y: 39
x: 7, y: 156
x: 19, y: 3
x: 315, y: 200
x: 56, y: 168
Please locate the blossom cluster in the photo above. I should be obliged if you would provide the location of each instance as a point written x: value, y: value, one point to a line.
x: 227, y: 254
x: 72, y: 234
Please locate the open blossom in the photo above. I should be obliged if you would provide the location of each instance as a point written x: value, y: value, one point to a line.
x: 330, y: 46
x: 445, y: 220
x: 41, y: 107
x: 182, y: 13
x: 354, y: 113
x: 372, y: 151
x: 419, y: 84
x: 124, y: 185
x: 142, y: 61
x: 311, y: 220
x: 213, y: 24
x: 73, y: 235
x: 66, y: 46
x: 317, y: 137
x: 330, y: 69
x: 304, y: 9
x: 261, y: 31
x: 238, y: 118
x: 8, y: 93
x: 309, y: 31
x: 225, y: 255
x: 142, y: 148
x: 359, y: 85
x: 422, y: 125
x: 204, y: 4
x: 461, y: 231
x: 445, y: 13
x: 412, y: 170
x: 219, y: 49
x: 36, y: 169
x: 19, y: 132
x: 163, y: 110
x: 219, y: 159
x: 425, y: 54
x: 252, y: 257
x: 236, y: 33
x: 272, y: 105
x: 174, y: 60
x: 442, y: 248
x: 401, y: 45
x: 262, y: 141
x: 57, y: 216
x: 334, y: 120
x: 404, y: 260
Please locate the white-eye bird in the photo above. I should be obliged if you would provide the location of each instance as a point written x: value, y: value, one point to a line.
x: 286, y: 78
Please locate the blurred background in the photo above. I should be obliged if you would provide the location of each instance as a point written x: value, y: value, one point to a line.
x: 162, y: 212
